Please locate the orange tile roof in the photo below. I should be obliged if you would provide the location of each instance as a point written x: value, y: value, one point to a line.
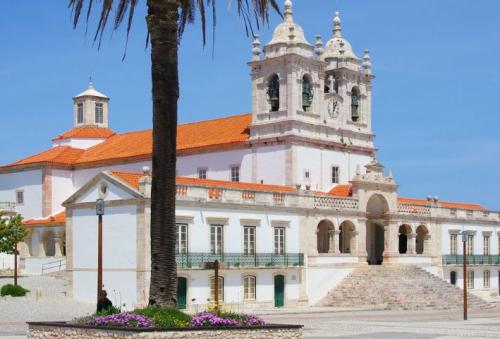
x: 194, y: 137
x: 133, y: 180
x: 130, y: 178
x: 60, y: 155
x: 341, y: 190
x: 443, y: 204
x: 86, y: 132
x: 56, y: 219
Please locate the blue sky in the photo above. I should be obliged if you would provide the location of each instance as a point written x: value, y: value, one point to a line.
x: 435, y: 101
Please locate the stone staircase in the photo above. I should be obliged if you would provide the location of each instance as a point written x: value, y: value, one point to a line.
x: 398, y: 287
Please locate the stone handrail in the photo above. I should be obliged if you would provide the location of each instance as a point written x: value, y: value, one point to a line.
x: 405, y: 208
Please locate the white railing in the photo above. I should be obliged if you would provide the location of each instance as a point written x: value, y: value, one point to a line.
x: 413, y: 209
x: 54, y: 266
x: 335, y: 203
x: 7, y: 206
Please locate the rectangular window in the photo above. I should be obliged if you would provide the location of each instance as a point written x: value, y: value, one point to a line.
x: 453, y: 244
x: 235, y: 173
x: 220, y: 294
x: 202, y: 173
x: 20, y: 197
x: 249, y: 240
x: 249, y: 288
x: 470, y: 279
x: 99, y: 113
x: 335, y: 175
x: 181, y: 239
x: 486, y: 245
x: 486, y: 279
x: 79, y: 113
x: 216, y: 239
x: 470, y: 244
x: 279, y: 240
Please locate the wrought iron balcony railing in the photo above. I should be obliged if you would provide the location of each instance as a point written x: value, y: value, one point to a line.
x: 471, y: 260
x: 237, y: 260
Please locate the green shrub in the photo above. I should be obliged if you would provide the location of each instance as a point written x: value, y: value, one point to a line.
x: 15, y: 291
x: 108, y: 311
x: 165, y: 317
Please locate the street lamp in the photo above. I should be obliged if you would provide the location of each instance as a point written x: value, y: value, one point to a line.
x: 15, y: 231
x: 99, y: 211
x: 464, y: 241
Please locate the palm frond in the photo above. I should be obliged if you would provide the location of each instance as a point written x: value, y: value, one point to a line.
x: 253, y: 12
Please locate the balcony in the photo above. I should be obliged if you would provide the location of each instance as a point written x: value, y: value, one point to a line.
x: 7, y: 207
x: 239, y: 260
x: 471, y: 260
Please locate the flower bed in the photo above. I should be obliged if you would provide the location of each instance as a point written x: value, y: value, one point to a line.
x: 161, y: 322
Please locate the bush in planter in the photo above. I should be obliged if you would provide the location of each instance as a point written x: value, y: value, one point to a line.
x: 108, y: 311
x: 165, y: 317
x: 15, y: 291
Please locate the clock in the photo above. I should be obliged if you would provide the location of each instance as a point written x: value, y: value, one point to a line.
x: 333, y: 108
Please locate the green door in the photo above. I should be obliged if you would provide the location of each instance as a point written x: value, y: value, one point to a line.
x: 279, y: 291
x: 181, y: 292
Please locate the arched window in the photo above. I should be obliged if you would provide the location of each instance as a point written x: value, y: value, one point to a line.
x: 249, y: 287
x: 307, y: 93
x: 453, y: 277
x: 422, y: 235
x: 220, y: 289
x: 355, y: 104
x: 273, y: 92
x: 404, y: 232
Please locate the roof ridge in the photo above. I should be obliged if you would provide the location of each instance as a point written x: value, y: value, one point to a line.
x: 215, y: 119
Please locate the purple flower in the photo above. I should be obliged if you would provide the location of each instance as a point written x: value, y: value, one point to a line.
x: 207, y: 319
x: 122, y: 320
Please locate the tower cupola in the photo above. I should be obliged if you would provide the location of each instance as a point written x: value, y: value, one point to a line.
x: 338, y: 49
x: 90, y: 108
x: 288, y: 37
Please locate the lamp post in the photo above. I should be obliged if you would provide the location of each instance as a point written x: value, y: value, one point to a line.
x: 99, y: 210
x: 464, y: 241
x: 16, y: 232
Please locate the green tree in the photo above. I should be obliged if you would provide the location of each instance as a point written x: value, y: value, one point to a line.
x: 11, y: 232
x: 166, y: 21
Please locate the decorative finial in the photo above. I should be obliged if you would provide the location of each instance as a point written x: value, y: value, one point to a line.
x: 256, y: 48
x: 319, y: 46
x: 389, y: 175
x: 288, y: 10
x: 367, y: 64
x: 91, y: 83
x: 337, y: 30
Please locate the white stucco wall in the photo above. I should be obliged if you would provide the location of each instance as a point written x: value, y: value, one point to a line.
x: 271, y: 165
x: 319, y: 162
x: 62, y: 188
x: 218, y: 164
x: 478, y: 238
x: 322, y: 280
x: 82, y: 143
x: 119, y: 253
x: 82, y: 176
x: 28, y: 181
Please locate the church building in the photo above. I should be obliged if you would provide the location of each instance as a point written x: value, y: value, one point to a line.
x: 290, y: 198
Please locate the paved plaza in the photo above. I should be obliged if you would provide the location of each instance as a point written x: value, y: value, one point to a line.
x: 319, y: 322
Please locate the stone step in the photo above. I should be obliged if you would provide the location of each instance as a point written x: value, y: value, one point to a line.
x: 397, y: 287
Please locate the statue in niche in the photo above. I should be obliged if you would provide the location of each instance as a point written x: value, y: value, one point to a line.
x: 273, y: 93
x: 354, y: 105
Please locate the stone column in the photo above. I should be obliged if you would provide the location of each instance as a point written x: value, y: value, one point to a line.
x: 361, y: 239
x: 391, y: 239
x: 331, y: 241
x: 412, y: 238
x: 354, y: 242
x: 41, y: 244
x: 427, y: 245
x: 58, y: 245
x: 336, y: 241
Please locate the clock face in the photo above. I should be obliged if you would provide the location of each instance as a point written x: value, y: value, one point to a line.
x: 333, y: 108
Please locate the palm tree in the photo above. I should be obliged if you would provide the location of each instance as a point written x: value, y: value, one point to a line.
x: 166, y: 20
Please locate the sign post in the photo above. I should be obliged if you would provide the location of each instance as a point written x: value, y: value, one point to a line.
x: 465, y: 279
x: 99, y: 210
x: 16, y: 231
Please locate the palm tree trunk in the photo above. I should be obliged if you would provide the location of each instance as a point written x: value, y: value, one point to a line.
x: 163, y: 29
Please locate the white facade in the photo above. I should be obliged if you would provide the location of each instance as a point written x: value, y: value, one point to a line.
x: 311, y: 136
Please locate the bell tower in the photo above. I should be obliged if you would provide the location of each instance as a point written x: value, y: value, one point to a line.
x: 287, y: 80
x: 90, y: 108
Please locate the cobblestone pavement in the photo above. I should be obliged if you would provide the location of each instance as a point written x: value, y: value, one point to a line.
x: 394, y: 325
x: 51, y: 305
